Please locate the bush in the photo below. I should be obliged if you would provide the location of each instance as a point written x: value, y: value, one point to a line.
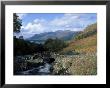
x: 54, y: 45
x: 69, y: 53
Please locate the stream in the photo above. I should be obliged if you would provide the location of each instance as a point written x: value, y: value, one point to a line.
x: 41, y: 70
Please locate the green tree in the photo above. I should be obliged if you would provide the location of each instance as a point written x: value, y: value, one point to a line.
x: 55, y: 45
x: 17, y: 23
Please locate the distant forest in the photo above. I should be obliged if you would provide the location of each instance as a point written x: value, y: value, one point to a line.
x: 23, y: 47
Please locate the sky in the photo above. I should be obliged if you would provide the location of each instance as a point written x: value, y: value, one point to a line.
x: 36, y: 23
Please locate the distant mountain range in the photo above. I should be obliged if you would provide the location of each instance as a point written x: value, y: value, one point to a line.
x: 60, y: 34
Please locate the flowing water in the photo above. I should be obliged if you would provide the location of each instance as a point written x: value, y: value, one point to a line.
x: 41, y: 70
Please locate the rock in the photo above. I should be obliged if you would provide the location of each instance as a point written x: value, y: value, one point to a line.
x: 48, y: 60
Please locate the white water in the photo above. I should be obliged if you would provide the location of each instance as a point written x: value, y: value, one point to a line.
x: 45, y: 68
x: 41, y: 70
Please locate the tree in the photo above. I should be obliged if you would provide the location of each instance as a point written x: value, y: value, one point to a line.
x: 17, y: 23
x: 55, y: 45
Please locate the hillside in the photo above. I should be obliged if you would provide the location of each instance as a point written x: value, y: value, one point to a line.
x: 84, y: 42
x: 80, y: 57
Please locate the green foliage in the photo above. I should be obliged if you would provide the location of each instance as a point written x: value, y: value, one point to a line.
x: 55, y: 45
x: 17, y: 23
x: 70, y: 53
x: 22, y: 47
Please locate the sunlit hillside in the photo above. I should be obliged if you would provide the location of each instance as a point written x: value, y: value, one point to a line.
x: 85, y: 42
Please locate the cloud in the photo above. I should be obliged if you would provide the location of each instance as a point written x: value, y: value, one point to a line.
x: 31, y: 29
x: 65, y: 20
x: 74, y: 22
x: 37, y: 26
x: 21, y: 15
x: 39, y: 21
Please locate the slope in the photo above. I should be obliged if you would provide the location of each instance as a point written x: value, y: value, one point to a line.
x: 84, y: 42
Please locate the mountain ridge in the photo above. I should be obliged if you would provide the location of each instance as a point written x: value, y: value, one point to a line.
x: 61, y: 34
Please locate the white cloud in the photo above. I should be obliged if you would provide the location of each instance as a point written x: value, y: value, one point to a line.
x: 34, y: 28
x: 21, y: 15
x: 39, y: 21
x: 67, y: 19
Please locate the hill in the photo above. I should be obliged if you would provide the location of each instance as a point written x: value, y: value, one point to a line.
x: 84, y: 42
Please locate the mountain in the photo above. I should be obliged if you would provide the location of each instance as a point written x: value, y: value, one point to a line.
x: 60, y: 34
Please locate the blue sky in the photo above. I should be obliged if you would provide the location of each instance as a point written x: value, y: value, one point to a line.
x: 36, y: 23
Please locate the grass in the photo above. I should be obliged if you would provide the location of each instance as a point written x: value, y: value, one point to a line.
x: 84, y: 45
x: 76, y: 65
x: 84, y: 65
